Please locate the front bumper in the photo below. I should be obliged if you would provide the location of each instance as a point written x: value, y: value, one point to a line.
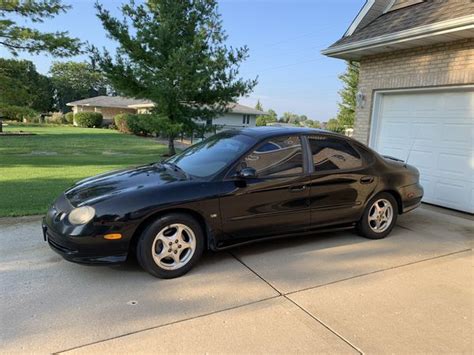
x: 83, y: 244
x: 81, y: 252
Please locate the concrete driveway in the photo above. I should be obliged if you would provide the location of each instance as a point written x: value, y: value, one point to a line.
x: 411, y: 292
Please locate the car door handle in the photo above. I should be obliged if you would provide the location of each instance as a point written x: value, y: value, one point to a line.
x: 297, y: 188
x: 366, y: 179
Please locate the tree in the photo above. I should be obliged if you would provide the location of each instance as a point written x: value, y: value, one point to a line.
x: 334, y: 125
x: 347, y: 105
x: 173, y: 53
x: 312, y: 123
x: 17, y: 38
x: 270, y: 117
x: 75, y: 81
x: 260, y: 121
x: 22, y: 86
x: 289, y: 117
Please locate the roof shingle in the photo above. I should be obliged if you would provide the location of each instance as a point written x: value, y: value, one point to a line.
x: 424, y: 13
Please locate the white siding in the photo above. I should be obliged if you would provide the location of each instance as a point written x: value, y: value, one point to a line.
x: 234, y: 120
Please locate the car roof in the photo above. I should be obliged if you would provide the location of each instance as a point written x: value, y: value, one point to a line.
x: 271, y: 131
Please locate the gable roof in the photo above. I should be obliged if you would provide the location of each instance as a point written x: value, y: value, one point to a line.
x: 106, y: 101
x: 369, y: 12
x: 126, y: 102
x: 430, y: 18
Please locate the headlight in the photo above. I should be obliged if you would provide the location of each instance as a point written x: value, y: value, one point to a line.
x: 81, y: 215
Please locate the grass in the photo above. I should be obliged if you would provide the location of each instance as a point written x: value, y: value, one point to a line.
x: 34, y: 170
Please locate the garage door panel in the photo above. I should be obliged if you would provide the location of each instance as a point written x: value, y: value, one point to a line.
x: 453, y: 164
x: 421, y: 159
x: 450, y: 193
x: 438, y: 128
x: 456, y: 133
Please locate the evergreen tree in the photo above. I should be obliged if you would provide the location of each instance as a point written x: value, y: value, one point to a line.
x: 347, y: 106
x: 259, y: 106
x: 173, y: 53
x: 19, y: 38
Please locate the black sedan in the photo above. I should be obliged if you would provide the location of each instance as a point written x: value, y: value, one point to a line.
x: 235, y: 187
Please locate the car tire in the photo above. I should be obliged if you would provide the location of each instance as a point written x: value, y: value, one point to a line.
x: 170, y: 246
x: 379, y: 218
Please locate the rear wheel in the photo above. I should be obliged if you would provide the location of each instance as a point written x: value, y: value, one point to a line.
x: 379, y: 217
x: 170, y: 246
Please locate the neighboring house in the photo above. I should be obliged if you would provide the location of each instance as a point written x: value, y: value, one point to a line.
x: 416, y: 89
x: 109, y: 106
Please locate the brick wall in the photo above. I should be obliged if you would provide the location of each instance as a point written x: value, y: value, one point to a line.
x: 437, y: 65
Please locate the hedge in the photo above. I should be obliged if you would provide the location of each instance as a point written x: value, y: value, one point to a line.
x: 57, y: 118
x: 120, y: 121
x: 69, y: 117
x: 136, y: 124
x: 88, y: 119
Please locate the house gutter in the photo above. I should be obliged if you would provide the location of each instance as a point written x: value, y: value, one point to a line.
x: 439, y: 28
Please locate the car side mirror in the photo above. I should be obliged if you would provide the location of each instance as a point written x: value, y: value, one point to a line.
x: 247, y: 173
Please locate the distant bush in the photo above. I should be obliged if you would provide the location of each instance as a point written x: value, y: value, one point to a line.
x: 120, y: 121
x: 57, y: 118
x: 139, y: 124
x: 88, y: 119
x: 69, y: 117
x: 18, y: 113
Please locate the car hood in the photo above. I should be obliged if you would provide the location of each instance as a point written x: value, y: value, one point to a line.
x: 97, y: 188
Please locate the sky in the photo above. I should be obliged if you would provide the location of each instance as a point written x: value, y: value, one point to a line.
x: 285, y: 38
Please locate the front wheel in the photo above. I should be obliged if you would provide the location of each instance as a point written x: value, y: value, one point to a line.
x: 379, y: 217
x: 170, y: 246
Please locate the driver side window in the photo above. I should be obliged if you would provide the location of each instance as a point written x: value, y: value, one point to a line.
x: 279, y: 156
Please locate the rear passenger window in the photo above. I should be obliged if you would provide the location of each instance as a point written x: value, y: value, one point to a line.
x: 333, y: 154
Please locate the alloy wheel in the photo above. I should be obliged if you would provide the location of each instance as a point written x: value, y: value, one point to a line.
x: 380, y: 215
x: 173, y: 246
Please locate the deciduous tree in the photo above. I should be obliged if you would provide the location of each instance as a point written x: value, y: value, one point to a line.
x: 74, y: 81
x: 23, y: 38
x: 22, y: 86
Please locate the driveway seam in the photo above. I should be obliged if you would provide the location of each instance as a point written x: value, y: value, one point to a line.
x: 324, y: 325
x: 377, y: 271
x: 255, y: 273
x: 297, y: 305
x: 166, y: 324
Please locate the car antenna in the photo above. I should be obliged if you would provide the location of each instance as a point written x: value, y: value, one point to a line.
x: 411, y: 148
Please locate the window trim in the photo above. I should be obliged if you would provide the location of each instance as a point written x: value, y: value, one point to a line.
x: 313, y: 171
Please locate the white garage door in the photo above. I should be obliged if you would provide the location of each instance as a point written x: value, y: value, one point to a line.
x: 436, y: 130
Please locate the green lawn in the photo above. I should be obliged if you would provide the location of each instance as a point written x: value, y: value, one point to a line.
x: 34, y: 170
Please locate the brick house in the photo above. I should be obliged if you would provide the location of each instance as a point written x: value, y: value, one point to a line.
x: 415, y: 98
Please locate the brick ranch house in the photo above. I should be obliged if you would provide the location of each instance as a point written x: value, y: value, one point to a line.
x: 415, y: 97
x: 110, y: 106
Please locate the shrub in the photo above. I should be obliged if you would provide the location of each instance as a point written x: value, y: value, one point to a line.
x: 120, y: 121
x: 88, y: 119
x: 17, y: 113
x: 57, y: 118
x: 69, y: 117
x: 138, y: 124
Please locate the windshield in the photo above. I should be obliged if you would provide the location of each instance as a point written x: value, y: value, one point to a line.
x: 207, y: 158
